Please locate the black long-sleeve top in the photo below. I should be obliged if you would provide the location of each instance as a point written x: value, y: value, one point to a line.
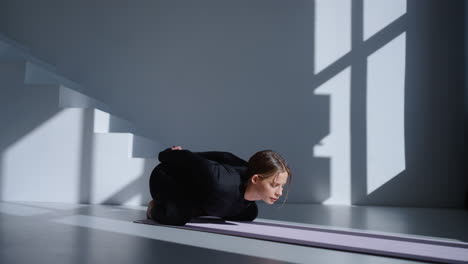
x: 217, y: 181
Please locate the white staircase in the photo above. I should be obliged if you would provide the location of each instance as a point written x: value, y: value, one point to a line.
x: 59, y: 145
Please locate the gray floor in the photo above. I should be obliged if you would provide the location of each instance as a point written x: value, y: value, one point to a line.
x: 67, y: 233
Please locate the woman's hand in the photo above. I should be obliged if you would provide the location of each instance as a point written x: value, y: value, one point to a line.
x: 176, y: 148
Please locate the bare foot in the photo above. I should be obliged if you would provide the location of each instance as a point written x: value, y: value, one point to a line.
x: 148, y: 211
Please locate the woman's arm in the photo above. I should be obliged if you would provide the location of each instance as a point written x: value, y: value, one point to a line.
x: 218, y: 156
x: 223, y: 157
x: 178, y: 155
x: 188, y: 167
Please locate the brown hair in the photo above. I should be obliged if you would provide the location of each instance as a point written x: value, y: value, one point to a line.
x: 268, y: 163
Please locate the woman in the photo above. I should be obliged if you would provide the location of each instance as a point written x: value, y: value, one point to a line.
x: 189, y: 184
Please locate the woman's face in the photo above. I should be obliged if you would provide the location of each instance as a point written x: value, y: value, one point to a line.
x: 271, y: 188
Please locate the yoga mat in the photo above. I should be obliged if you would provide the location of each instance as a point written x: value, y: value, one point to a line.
x: 391, y: 245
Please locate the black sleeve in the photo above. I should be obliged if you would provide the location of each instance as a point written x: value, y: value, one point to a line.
x: 183, y: 156
x: 188, y: 161
x: 223, y: 157
x: 248, y: 214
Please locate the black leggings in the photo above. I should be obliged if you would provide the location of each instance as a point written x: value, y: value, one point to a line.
x: 172, y: 206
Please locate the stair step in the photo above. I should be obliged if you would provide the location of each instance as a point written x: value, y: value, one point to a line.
x: 11, y: 50
x: 117, y: 178
x: 133, y: 145
x: 64, y: 144
x: 12, y: 74
x: 107, y: 123
x: 37, y: 71
x: 73, y: 99
x: 62, y: 160
x: 144, y: 148
x: 41, y: 73
x: 10, y: 42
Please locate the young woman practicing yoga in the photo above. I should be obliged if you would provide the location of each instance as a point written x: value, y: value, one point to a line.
x: 189, y: 184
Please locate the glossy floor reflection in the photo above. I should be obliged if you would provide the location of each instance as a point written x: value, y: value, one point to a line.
x: 68, y: 233
x: 448, y: 224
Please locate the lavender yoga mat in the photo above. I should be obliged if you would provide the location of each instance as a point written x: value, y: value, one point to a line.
x: 391, y: 245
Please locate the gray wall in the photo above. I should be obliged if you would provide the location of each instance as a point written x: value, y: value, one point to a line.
x: 435, y: 131
x: 237, y: 76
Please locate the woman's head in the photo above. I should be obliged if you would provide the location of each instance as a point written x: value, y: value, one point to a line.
x: 268, y: 173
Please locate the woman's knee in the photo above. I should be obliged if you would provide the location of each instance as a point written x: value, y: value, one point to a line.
x: 160, y: 183
x: 171, y: 213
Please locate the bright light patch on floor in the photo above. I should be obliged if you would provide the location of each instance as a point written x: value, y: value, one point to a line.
x: 385, y: 113
x: 332, y: 31
x: 336, y: 145
x: 380, y: 13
